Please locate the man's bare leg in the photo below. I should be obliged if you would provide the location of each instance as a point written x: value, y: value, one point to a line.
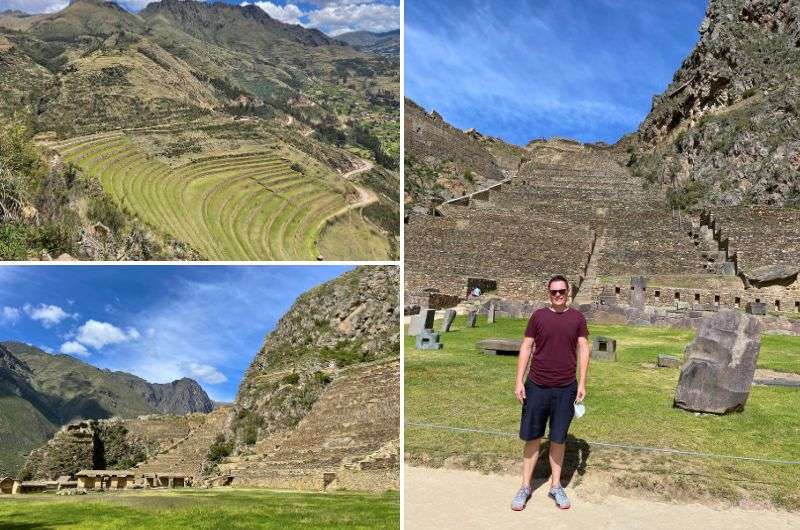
x: 529, y: 456
x: 556, y: 452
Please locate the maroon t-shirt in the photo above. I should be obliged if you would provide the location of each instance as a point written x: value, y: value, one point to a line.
x: 555, y: 336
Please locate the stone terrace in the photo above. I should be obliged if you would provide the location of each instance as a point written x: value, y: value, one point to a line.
x: 565, y: 203
x: 188, y: 454
x: 745, y: 230
x: 360, y: 450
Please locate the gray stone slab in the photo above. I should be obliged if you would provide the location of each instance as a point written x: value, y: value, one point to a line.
x: 449, y: 316
x: 472, y: 319
x: 421, y: 321
x: 499, y: 346
x: 491, y: 313
x: 757, y: 308
x: 667, y: 361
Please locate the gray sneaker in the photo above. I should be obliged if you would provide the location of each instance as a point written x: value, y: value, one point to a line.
x: 558, y: 495
x: 521, y: 498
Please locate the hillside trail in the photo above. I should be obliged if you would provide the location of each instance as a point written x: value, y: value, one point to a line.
x: 449, y: 498
x: 365, y: 196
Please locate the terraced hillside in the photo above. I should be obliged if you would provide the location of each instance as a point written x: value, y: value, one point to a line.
x: 243, y: 206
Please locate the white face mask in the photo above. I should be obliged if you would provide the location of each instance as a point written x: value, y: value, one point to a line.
x: 580, y: 409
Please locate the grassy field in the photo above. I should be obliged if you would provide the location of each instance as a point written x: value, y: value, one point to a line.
x: 250, y: 206
x: 628, y: 402
x: 202, y: 509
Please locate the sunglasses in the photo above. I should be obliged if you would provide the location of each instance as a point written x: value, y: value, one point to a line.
x: 554, y: 292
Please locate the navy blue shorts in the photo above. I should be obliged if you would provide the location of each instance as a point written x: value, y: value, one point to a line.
x: 542, y: 403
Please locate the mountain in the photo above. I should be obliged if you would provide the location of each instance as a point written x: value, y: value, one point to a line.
x: 726, y: 130
x: 179, y: 85
x: 386, y: 43
x: 41, y: 392
x: 350, y: 320
x: 443, y: 162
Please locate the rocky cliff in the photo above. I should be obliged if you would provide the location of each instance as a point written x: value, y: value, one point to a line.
x: 727, y: 129
x: 347, y: 321
x: 443, y: 162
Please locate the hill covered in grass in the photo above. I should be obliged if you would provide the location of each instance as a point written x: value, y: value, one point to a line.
x: 40, y: 392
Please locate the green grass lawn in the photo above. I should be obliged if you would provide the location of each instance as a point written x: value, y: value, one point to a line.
x: 202, y: 509
x: 628, y: 402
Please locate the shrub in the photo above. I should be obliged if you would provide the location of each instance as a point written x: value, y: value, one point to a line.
x: 103, y: 210
x: 291, y: 379
x: 219, y: 449
x: 12, y: 242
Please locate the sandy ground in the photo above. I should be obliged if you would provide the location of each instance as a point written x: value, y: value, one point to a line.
x: 447, y: 498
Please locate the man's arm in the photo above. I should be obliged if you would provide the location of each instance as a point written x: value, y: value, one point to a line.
x: 583, y: 364
x: 522, y: 367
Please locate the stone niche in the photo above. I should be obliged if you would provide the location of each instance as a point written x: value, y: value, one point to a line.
x: 719, y: 364
x: 484, y: 284
x: 604, y: 348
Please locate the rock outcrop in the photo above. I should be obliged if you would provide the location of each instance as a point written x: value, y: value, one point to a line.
x: 719, y: 364
x: 350, y: 320
x: 727, y: 129
x: 323, y: 393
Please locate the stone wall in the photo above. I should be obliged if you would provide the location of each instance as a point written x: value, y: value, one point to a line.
x: 359, y: 450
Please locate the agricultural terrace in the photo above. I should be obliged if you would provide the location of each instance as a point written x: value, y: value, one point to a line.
x: 244, y: 206
x: 203, y: 510
x: 628, y: 402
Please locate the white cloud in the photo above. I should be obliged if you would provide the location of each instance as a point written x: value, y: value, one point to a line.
x: 74, y: 348
x: 289, y: 13
x: 204, y: 373
x: 340, y: 18
x: 98, y: 334
x: 48, y: 315
x: 11, y: 314
x: 34, y: 6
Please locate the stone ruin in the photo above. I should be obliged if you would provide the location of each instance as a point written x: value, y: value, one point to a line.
x: 719, y: 364
x: 577, y: 211
x: 604, y: 348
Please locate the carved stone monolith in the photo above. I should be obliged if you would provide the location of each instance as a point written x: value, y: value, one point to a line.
x: 719, y: 364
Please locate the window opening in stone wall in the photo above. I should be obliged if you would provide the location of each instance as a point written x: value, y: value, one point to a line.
x: 658, y: 295
x: 716, y: 299
x: 737, y: 302
x: 797, y: 307
x: 758, y: 300
x: 617, y: 289
x: 696, y: 297
x: 777, y: 305
x: 677, y: 295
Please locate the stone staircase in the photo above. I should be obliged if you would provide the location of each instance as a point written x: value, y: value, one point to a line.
x: 349, y: 439
x: 584, y: 294
x: 188, y: 454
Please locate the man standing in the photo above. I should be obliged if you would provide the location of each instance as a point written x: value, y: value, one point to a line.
x: 550, y: 391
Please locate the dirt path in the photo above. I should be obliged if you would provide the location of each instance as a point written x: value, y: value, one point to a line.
x: 446, y: 498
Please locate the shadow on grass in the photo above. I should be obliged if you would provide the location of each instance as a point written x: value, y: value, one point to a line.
x: 575, y: 458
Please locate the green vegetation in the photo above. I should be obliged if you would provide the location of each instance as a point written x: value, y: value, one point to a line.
x: 628, y: 402
x: 205, y: 510
x: 114, y: 449
x: 247, y: 206
x: 219, y: 449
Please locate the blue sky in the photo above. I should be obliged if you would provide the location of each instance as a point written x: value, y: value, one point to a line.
x: 331, y: 16
x: 520, y: 70
x: 158, y: 322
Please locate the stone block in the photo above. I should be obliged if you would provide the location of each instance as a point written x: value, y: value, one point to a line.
x: 638, y: 295
x: 491, y: 312
x: 449, y: 316
x: 604, y: 348
x: 421, y: 321
x: 499, y: 346
x: 756, y: 308
x: 667, y: 361
x: 472, y: 319
x: 428, y: 340
x: 720, y: 364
